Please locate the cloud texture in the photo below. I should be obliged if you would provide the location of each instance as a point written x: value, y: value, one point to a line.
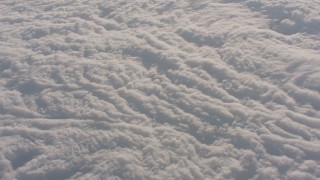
x: 176, y: 89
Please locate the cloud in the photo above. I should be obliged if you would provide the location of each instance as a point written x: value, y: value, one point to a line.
x: 159, y: 90
x: 290, y: 18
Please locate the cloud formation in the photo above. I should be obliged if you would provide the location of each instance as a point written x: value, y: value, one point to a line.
x: 159, y: 90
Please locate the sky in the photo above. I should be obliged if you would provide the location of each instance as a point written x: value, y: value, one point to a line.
x: 170, y: 89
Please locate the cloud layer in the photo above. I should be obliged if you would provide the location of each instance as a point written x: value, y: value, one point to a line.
x: 224, y: 89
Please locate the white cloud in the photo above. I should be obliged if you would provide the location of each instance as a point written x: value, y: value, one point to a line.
x: 159, y: 89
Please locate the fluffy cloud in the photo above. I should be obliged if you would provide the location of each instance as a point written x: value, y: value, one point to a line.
x: 159, y: 90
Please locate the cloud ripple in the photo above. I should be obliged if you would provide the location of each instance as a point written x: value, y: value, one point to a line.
x: 159, y: 90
